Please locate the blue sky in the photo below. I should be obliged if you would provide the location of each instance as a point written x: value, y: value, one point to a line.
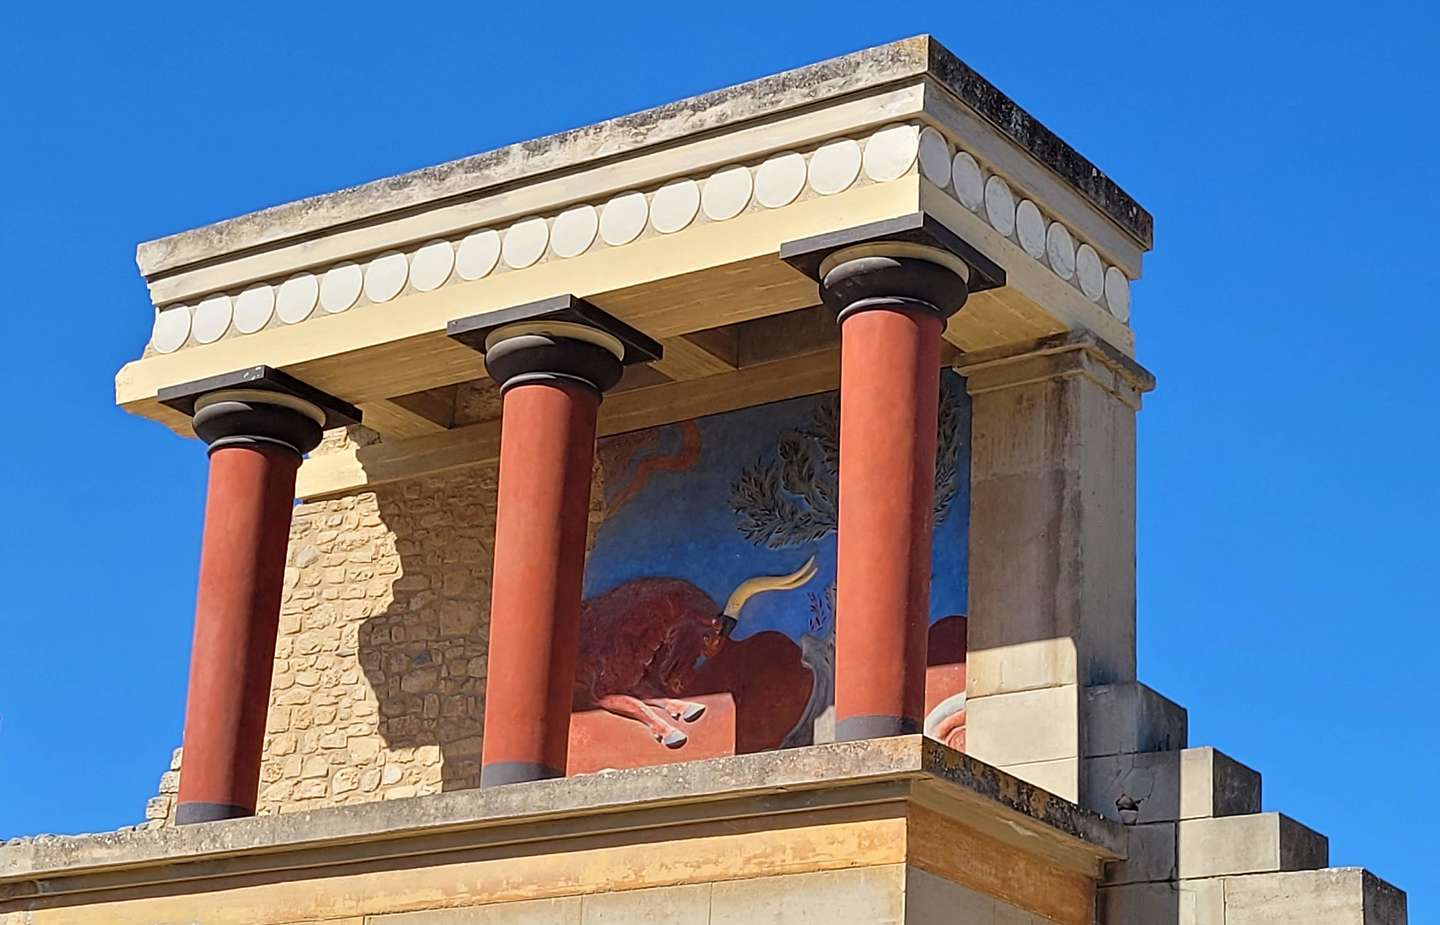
x: 1288, y: 487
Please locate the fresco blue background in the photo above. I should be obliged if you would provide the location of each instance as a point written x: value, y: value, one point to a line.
x: 683, y: 524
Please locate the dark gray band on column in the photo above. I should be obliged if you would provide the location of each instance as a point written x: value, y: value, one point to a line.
x: 870, y: 282
x: 515, y: 772
x: 190, y: 813
x: 546, y: 357
x: 248, y: 423
x: 859, y: 728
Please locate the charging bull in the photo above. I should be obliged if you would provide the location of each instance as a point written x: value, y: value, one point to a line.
x: 650, y: 643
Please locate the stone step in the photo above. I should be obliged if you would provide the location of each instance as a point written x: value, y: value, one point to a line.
x: 1255, y: 844
x: 1333, y: 896
x: 1117, y: 719
x: 1195, y: 783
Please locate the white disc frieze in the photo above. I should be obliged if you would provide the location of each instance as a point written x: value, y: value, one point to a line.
x: 675, y: 206
x: 969, y: 181
x: 1000, y: 205
x: 891, y: 151
x: 726, y: 194
x: 1030, y: 229
x: 212, y: 319
x: 574, y: 231
x: 1117, y: 293
x: 934, y: 157
x: 1060, y: 249
x: 340, y: 287
x: 834, y: 166
x: 623, y: 218
x: 296, y: 298
x: 432, y: 265
x: 525, y: 243
x: 385, y: 276
x: 172, y: 329
x: 254, y: 308
x: 779, y: 180
x: 1090, y: 272
x: 477, y: 254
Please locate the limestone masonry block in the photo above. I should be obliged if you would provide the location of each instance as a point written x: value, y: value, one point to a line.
x: 1164, y: 786
x: 868, y: 894
x: 1024, y: 727
x: 1060, y: 777
x: 564, y: 910
x: 1130, y: 717
x: 687, y: 904
x: 1260, y: 843
x: 1336, y: 896
x: 1195, y: 902
x: 1150, y: 857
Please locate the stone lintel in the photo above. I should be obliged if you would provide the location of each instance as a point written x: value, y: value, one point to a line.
x: 901, y: 771
x: 920, y: 57
x: 1072, y: 353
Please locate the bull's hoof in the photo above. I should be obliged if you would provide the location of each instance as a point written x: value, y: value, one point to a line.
x: 674, y: 739
x: 693, y: 712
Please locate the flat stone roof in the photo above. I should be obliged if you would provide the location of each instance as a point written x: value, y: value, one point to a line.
x: 1006, y: 802
x: 490, y: 172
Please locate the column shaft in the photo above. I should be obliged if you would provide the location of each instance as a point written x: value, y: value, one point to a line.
x: 547, y: 450
x: 889, y: 394
x: 237, y: 610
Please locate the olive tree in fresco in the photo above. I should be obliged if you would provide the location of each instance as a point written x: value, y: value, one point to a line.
x: 791, y: 499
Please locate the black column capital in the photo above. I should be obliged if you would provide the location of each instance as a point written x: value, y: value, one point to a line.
x: 554, y: 340
x: 258, y: 406
x: 908, y: 261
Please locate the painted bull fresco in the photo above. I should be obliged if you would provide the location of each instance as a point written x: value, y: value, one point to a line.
x: 712, y: 573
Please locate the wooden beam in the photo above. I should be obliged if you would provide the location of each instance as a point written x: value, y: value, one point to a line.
x: 703, y: 353
x: 366, y: 467
x: 413, y: 415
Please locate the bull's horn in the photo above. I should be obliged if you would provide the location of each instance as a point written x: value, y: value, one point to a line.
x: 753, y: 586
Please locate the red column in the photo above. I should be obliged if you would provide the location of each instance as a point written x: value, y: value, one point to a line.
x: 889, y: 395
x: 237, y: 610
x: 547, y: 449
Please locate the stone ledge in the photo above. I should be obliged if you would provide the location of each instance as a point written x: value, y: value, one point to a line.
x: 855, y: 773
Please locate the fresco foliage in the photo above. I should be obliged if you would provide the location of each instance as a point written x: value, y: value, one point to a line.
x: 713, y: 572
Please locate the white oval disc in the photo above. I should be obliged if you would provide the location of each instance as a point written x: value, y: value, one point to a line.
x: 675, y: 206
x: 623, y: 218
x: 934, y: 157
x: 296, y: 298
x: 574, y: 231
x: 890, y: 152
x: 212, y: 319
x: 835, y: 166
x: 525, y: 243
x: 478, y: 254
x: 385, y: 276
x: 1030, y: 229
x: 726, y: 194
x: 1090, y: 272
x: 254, y: 308
x: 340, y: 287
x: 172, y: 329
x: 431, y: 265
x: 1060, y: 250
x: 1117, y: 293
x: 1000, y: 205
x: 779, y: 180
x: 969, y: 181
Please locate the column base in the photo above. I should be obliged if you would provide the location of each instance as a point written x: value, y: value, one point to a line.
x: 858, y: 728
x: 188, y: 813
x: 515, y: 772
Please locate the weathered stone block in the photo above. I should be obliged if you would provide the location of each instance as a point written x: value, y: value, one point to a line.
x: 1194, y: 902
x: 1261, y: 843
x: 1165, y: 786
x: 564, y: 910
x: 873, y: 895
x: 1150, y: 857
x: 1060, y: 777
x: 1335, y: 896
x: 688, y: 904
x: 932, y: 900
x: 1130, y: 717
x: 1024, y: 727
